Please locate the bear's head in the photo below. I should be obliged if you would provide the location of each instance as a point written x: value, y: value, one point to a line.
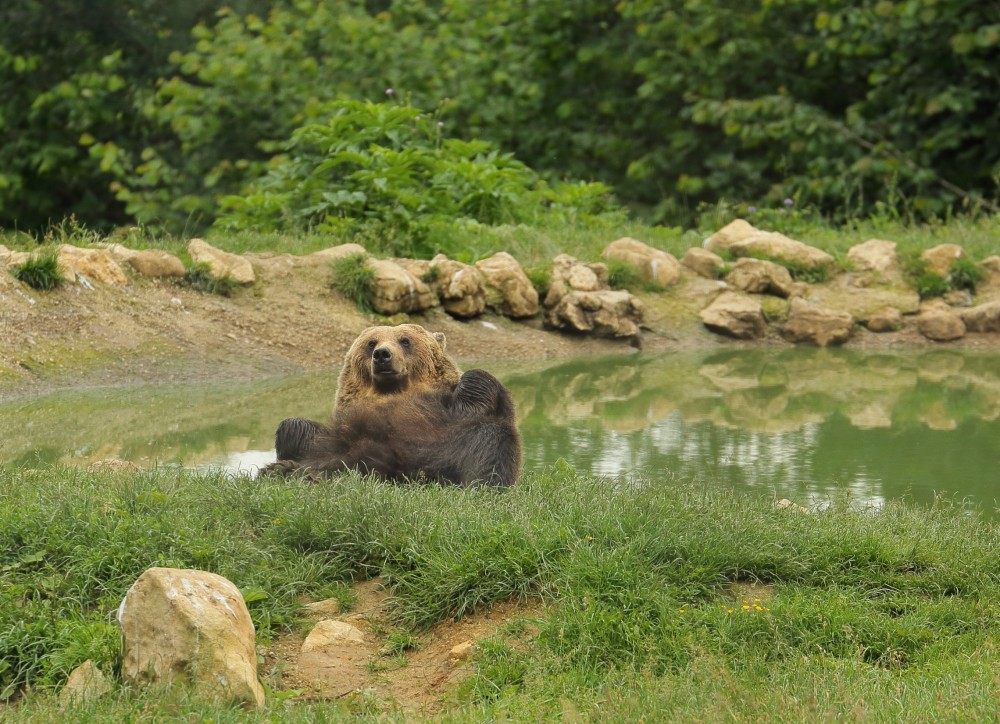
x: 391, y: 360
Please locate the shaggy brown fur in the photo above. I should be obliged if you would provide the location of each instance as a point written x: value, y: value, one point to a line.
x: 403, y: 411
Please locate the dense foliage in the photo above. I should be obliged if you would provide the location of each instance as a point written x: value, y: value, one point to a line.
x: 113, y: 111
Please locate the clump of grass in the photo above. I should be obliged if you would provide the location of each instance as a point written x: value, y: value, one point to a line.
x: 540, y: 278
x: 966, y: 274
x: 622, y: 275
x: 432, y: 274
x: 353, y: 277
x: 199, y: 277
x: 927, y: 283
x: 40, y: 271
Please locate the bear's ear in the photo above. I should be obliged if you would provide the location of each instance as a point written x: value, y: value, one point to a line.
x: 439, y: 336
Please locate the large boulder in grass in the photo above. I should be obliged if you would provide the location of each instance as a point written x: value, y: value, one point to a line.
x: 221, y: 264
x: 735, y: 315
x: 761, y: 277
x: 396, y: 289
x: 874, y: 255
x: 740, y: 238
x: 193, y: 627
x: 811, y: 323
x: 653, y: 265
x: 508, y: 289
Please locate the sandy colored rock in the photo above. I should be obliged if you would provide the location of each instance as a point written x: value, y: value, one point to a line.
x: 460, y: 287
x: 327, y: 607
x: 874, y: 255
x: 395, y: 290
x: 332, y: 633
x: 614, y: 313
x: 885, y: 320
x: 813, y: 324
x: 736, y: 315
x: 333, y: 253
x: 96, y: 265
x: 156, y: 263
x: 509, y: 290
x: 940, y: 258
x: 221, y: 264
x: 786, y: 504
x: 982, y: 318
x: 86, y: 683
x: 193, y: 627
x: 569, y: 274
x: 740, y: 238
x: 703, y: 262
x: 462, y: 651
x: 939, y: 322
x: 761, y: 277
x: 333, y: 658
x: 654, y: 265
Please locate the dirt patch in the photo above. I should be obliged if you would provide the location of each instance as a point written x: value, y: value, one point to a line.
x: 288, y: 322
x: 420, y: 675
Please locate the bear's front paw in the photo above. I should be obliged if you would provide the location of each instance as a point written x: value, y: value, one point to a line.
x: 279, y: 469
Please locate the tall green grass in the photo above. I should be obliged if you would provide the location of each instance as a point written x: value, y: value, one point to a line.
x: 660, y: 598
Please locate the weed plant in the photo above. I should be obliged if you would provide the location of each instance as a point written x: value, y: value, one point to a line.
x: 199, y: 277
x: 659, y: 597
x: 353, y: 277
x: 39, y: 271
x: 622, y: 275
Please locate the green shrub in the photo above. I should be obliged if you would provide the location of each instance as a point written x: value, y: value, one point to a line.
x: 353, y: 277
x: 40, y: 271
x: 388, y: 170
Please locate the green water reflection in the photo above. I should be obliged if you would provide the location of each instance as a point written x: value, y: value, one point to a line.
x: 807, y: 424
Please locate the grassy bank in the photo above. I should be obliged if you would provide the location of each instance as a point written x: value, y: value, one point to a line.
x: 535, y: 245
x: 659, y: 598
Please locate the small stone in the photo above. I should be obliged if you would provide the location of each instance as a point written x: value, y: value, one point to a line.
x: 85, y: 684
x: 885, y: 320
x: 328, y: 606
x: 462, y: 651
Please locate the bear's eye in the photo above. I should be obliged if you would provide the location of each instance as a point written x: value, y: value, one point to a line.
x: 371, y: 344
x: 405, y: 341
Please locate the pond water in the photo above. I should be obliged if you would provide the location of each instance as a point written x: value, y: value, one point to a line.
x: 811, y: 425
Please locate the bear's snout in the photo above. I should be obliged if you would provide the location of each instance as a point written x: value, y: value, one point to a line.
x: 382, y: 360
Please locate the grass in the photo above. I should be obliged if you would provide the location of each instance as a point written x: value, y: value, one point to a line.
x: 662, y: 599
x: 353, y: 277
x: 40, y: 271
x: 199, y: 277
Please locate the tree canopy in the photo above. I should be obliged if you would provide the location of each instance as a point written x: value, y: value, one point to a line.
x: 140, y: 111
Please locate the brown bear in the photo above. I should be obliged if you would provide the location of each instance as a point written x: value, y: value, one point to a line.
x: 404, y: 410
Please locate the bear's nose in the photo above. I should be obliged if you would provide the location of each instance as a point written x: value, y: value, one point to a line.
x: 382, y: 354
